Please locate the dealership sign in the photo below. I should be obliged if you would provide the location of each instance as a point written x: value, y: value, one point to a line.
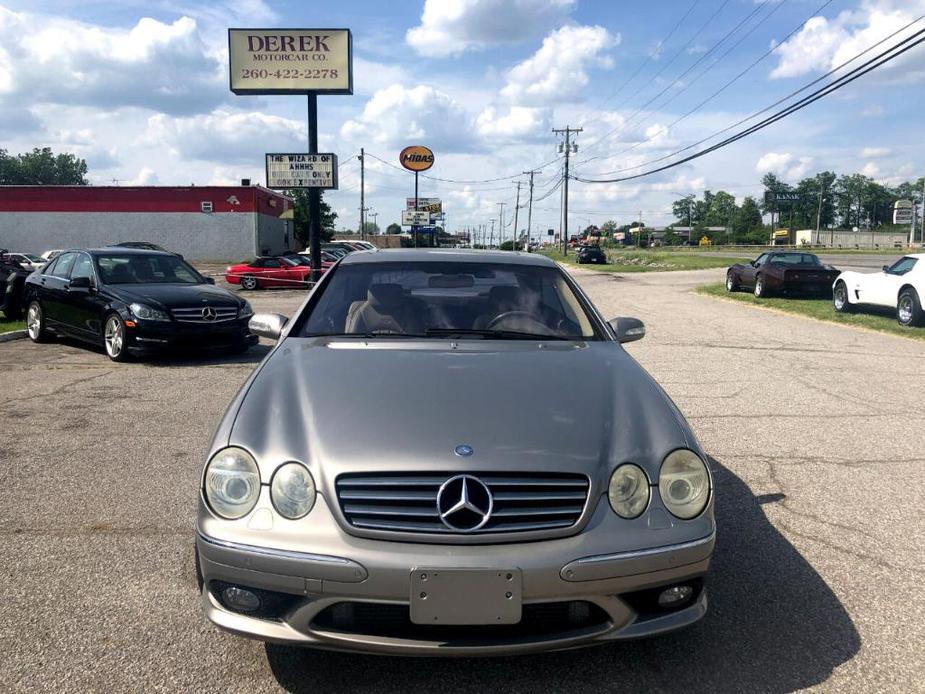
x: 300, y: 170
x: 291, y: 61
x: 903, y: 212
x: 416, y: 158
x: 413, y: 218
x: 432, y: 205
x: 781, y: 196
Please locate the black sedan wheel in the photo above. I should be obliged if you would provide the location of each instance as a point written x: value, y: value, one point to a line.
x: 249, y: 283
x: 761, y: 291
x: 909, y: 308
x: 35, y: 323
x: 114, y: 338
x: 840, y: 299
x: 732, y: 282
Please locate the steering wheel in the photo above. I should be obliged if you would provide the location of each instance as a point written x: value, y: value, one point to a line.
x: 516, y: 314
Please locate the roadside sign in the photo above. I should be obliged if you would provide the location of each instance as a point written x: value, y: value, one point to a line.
x: 291, y: 61
x: 781, y: 196
x: 416, y: 158
x: 300, y: 170
x: 413, y: 218
x: 432, y: 205
x: 903, y: 215
x: 550, y: 232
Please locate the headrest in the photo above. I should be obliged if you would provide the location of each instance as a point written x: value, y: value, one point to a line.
x: 504, y: 295
x: 385, y: 294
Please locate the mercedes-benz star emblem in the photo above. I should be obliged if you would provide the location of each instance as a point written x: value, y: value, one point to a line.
x: 208, y: 313
x: 463, y: 450
x: 464, y: 503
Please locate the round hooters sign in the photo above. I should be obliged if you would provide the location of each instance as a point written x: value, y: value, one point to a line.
x: 416, y: 158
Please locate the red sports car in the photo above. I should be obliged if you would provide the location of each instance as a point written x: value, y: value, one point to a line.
x: 291, y: 271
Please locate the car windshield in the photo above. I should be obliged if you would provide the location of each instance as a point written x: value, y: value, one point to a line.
x: 143, y: 268
x: 34, y: 258
x: 461, y: 300
x: 795, y: 259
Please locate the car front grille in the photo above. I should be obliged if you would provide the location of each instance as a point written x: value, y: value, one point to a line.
x: 540, y: 621
x: 407, y: 502
x: 217, y: 314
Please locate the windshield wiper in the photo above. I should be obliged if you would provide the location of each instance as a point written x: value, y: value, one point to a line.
x: 492, y: 334
x: 367, y: 334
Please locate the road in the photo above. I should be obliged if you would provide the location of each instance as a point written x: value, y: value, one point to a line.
x: 817, y: 438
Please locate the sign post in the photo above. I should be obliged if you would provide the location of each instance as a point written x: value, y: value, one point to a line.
x: 416, y: 158
x: 295, y: 61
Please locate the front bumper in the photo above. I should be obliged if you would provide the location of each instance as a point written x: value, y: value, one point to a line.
x: 361, y: 603
x: 150, y: 336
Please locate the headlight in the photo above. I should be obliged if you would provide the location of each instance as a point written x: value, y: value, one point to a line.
x: 246, y: 311
x: 232, y: 483
x: 684, y: 483
x: 628, y: 491
x: 292, y: 491
x: 148, y: 313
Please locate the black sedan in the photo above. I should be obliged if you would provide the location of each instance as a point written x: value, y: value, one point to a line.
x: 591, y: 254
x: 133, y: 302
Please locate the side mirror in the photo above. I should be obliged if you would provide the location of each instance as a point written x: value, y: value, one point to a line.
x: 210, y: 280
x: 79, y: 283
x: 628, y: 329
x: 269, y: 325
x: 886, y: 268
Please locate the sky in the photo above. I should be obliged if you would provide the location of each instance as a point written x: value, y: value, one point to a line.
x: 140, y: 90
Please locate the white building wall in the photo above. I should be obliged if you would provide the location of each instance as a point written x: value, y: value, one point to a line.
x: 222, y: 236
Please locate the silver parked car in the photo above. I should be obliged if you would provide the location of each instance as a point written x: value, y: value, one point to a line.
x: 449, y: 452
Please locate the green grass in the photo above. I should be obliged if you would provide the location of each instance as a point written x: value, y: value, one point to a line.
x: 10, y: 325
x: 649, y: 261
x: 821, y: 309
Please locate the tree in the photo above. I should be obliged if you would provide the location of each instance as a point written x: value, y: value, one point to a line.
x: 393, y: 228
x: 302, y: 220
x: 748, y: 226
x: 370, y: 228
x: 609, y: 227
x: 42, y: 167
x: 684, y: 211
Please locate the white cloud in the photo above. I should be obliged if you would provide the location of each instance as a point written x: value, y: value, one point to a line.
x: 517, y: 122
x: 399, y: 115
x: 823, y: 44
x: 784, y: 164
x: 450, y: 27
x: 238, y: 137
x: 875, y: 152
x: 165, y: 67
x: 558, y: 70
x: 873, y: 111
x: 146, y: 177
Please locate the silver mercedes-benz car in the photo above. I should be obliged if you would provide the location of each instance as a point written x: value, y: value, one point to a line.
x: 450, y: 453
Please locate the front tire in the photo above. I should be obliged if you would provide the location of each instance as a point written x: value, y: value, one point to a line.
x: 840, y: 299
x: 909, y: 309
x: 114, y: 338
x: 761, y: 290
x: 35, y: 323
x: 732, y: 282
x: 249, y: 283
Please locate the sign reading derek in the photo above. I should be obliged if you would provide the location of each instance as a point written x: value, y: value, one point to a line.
x: 291, y: 61
x: 300, y: 170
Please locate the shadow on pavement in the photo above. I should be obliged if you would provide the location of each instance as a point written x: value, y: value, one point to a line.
x: 193, y: 357
x: 773, y: 626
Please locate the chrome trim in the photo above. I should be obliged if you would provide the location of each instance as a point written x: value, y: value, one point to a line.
x: 275, y: 553
x: 645, y: 553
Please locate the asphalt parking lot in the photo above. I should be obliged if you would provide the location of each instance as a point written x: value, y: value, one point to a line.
x: 817, y: 434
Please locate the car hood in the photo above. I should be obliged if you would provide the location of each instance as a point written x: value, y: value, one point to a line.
x: 175, y: 295
x: 348, y: 405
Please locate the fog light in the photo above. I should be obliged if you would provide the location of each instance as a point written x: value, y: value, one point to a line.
x: 242, y: 600
x: 674, y: 596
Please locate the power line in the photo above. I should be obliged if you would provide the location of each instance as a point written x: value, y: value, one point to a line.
x: 833, y: 86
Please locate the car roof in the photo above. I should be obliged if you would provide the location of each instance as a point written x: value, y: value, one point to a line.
x: 121, y: 250
x: 454, y: 255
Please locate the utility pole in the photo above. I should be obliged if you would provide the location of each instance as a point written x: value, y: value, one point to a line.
x: 362, y: 159
x: 819, y: 212
x: 530, y: 208
x: 639, y: 231
x: 500, y: 224
x: 567, y: 131
x: 516, y: 210
x: 491, y: 237
x: 375, y: 216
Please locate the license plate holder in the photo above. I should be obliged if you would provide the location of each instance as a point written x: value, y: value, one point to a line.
x: 465, y: 596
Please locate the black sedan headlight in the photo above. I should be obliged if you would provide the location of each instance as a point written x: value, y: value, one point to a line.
x: 246, y: 311
x: 145, y: 312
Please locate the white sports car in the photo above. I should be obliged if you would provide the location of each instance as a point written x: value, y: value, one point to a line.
x: 900, y: 286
